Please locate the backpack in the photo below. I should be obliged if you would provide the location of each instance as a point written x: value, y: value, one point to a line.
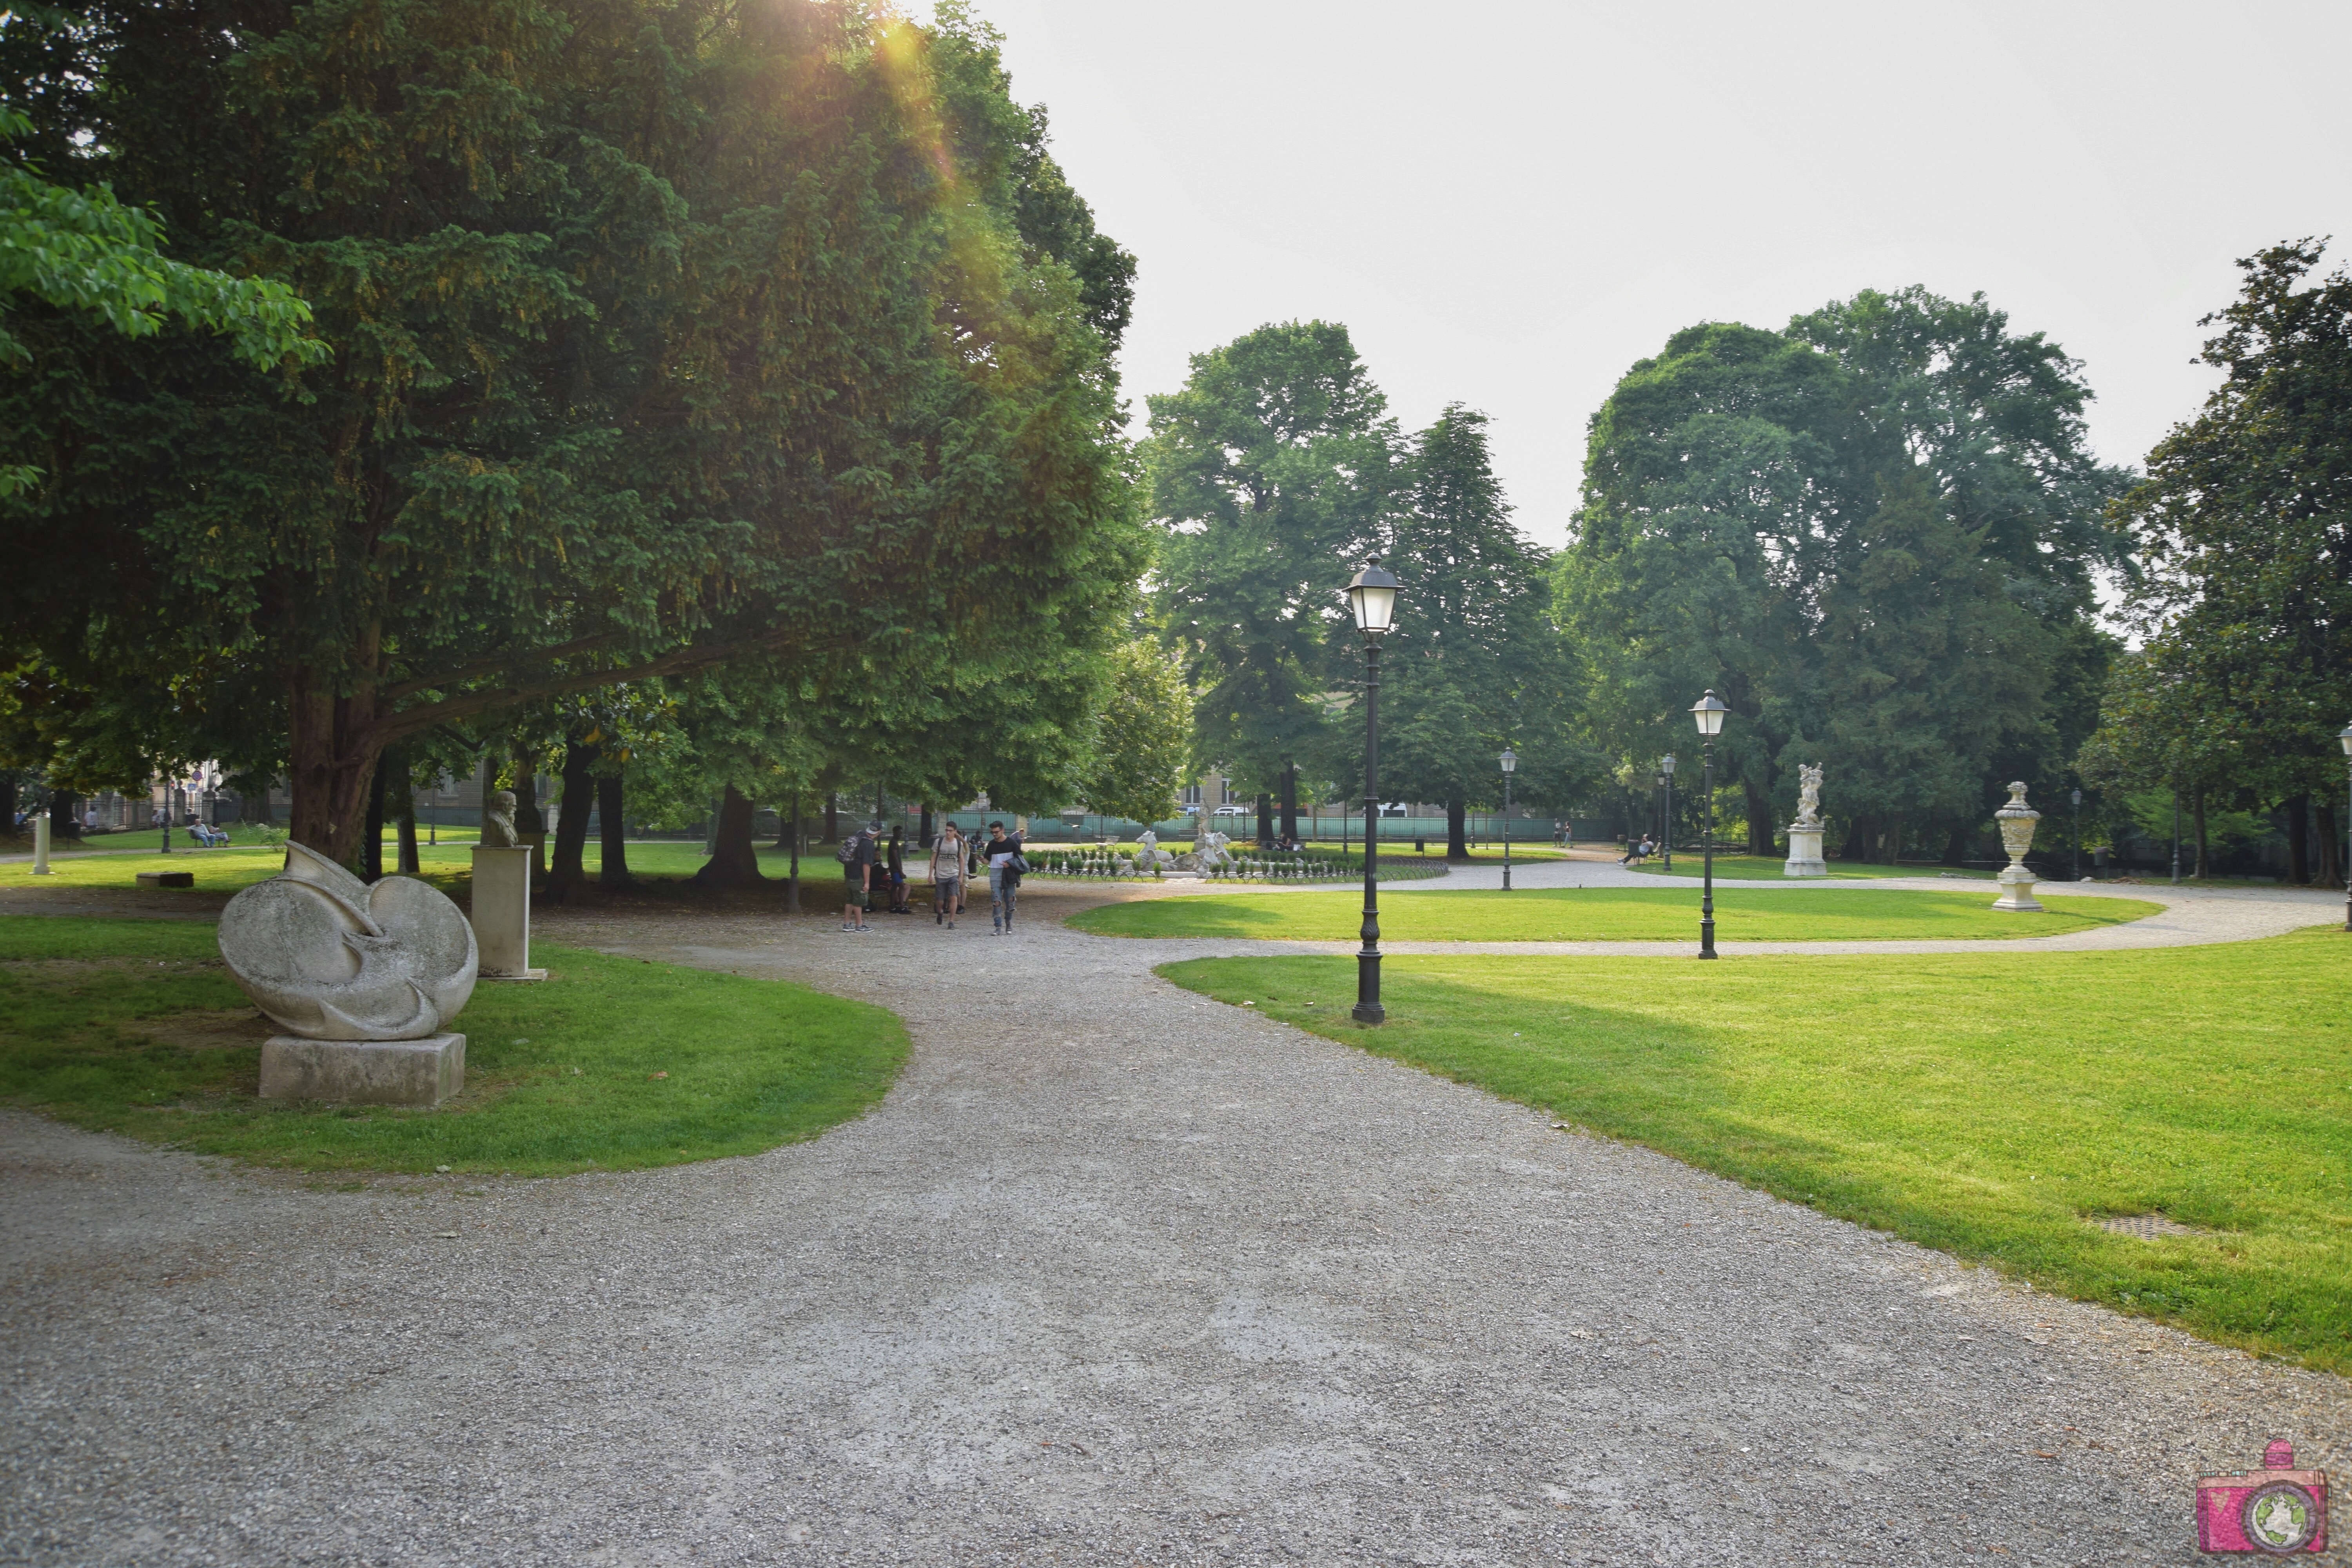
x: 848, y: 852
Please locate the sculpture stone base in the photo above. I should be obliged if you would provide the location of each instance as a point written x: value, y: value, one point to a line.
x: 1805, y: 851
x: 502, y: 914
x: 2017, y: 890
x: 364, y: 1072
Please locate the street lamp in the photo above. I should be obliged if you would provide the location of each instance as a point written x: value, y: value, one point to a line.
x: 1371, y: 595
x: 2344, y: 737
x: 2078, y: 835
x: 1510, y: 760
x: 1708, y: 712
x: 1667, y: 847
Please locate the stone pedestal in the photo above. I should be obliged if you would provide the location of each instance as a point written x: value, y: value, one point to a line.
x: 364, y: 1072
x: 2017, y: 890
x: 1805, y: 851
x: 502, y: 913
x: 41, y: 846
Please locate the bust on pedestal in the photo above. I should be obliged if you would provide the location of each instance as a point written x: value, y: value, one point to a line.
x: 503, y: 866
x: 2017, y: 820
x: 363, y: 977
x: 1805, y: 833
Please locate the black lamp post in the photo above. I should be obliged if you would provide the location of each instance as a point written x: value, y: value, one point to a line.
x: 2078, y: 835
x: 1708, y: 710
x: 2344, y: 737
x: 1666, y: 845
x: 1510, y: 760
x: 1372, y: 596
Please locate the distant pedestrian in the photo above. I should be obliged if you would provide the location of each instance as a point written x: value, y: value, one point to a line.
x: 895, y: 865
x: 947, y: 852
x: 1005, y: 865
x: 856, y: 858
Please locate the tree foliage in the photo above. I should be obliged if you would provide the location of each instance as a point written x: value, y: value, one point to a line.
x: 1270, y: 475
x: 667, y: 335
x: 1142, y: 736
x: 1874, y: 534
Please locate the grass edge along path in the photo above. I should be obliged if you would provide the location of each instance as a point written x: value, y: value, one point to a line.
x: 133, y: 1026
x: 1987, y: 1105
x: 1608, y: 914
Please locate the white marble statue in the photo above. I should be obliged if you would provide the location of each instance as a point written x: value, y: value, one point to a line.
x: 331, y: 958
x: 498, y: 821
x: 1209, y: 849
x: 1808, y: 795
x: 1147, y: 852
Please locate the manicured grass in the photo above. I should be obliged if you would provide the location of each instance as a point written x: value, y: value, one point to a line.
x: 1984, y: 1104
x: 1770, y: 868
x: 1606, y: 914
x: 447, y: 868
x: 134, y: 1026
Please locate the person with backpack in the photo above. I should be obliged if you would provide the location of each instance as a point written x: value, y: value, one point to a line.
x: 856, y: 858
x: 895, y: 868
x: 1005, y: 865
x: 947, y: 852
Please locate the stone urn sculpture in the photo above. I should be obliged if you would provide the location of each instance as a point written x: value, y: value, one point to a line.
x: 2017, y: 820
x: 365, y: 979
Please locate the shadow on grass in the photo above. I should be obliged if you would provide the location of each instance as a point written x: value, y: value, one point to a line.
x: 1934, y: 1100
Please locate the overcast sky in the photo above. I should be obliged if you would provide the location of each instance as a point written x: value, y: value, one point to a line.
x: 1509, y: 203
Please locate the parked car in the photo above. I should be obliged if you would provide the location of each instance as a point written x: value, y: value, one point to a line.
x: 1231, y: 811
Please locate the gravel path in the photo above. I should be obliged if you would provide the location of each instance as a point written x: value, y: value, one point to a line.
x: 1115, y: 1275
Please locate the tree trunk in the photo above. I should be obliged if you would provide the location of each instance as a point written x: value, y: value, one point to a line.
x: 333, y: 745
x: 832, y: 819
x: 734, y: 858
x: 2331, y: 873
x: 2196, y: 815
x: 1457, y: 829
x: 1761, y: 828
x: 615, y: 825
x: 65, y: 820
x: 1264, y: 820
x: 569, y: 869
x: 410, y: 861
x: 372, y: 845
x: 2298, y: 839
x: 7, y: 803
x: 1855, y: 845
x: 930, y: 831
x: 793, y: 874
x: 1289, y: 802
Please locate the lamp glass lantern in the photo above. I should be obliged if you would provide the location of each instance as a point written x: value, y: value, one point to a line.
x: 1509, y: 760
x: 1371, y: 595
x: 2344, y: 738
x: 1708, y: 712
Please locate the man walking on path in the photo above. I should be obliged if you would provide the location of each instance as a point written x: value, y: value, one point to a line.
x: 947, y: 875
x: 856, y: 878
x: 1004, y: 876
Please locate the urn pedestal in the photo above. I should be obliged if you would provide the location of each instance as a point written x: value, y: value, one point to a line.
x: 502, y: 913
x: 364, y: 1072
x: 1805, y: 851
x: 2017, y: 821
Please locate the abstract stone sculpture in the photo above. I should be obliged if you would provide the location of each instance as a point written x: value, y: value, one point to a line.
x: 498, y: 821
x: 2017, y: 820
x: 331, y: 958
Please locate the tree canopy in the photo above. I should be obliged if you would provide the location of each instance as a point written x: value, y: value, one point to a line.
x: 1874, y: 534
x: 666, y: 334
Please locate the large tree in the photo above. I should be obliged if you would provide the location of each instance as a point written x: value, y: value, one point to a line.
x: 2244, y: 521
x: 666, y: 333
x: 1874, y: 534
x: 1472, y: 641
x: 1270, y: 475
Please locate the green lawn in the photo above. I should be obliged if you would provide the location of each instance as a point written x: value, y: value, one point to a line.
x: 1985, y: 1104
x: 1769, y: 868
x: 134, y: 1026
x: 1605, y: 914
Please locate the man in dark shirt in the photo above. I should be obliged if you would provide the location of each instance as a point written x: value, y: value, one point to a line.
x: 1003, y: 850
x: 857, y: 879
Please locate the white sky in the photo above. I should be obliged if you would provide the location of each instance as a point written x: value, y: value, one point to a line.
x: 1509, y: 203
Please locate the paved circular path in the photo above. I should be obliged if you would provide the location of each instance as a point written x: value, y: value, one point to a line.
x: 1115, y: 1275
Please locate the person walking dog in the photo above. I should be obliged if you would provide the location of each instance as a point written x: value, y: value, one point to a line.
x: 856, y: 858
x: 1005, y: 865
x: 946, y: 875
